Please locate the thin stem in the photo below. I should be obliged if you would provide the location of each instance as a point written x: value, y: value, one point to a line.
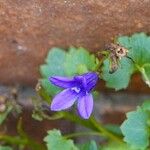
x: 142, y: 70
x: 92, y: 124
x: 22, y: 140
x: 13, y: 140
x: 82, y: 134
x: 30, y: 142
x: 76, y: 119
x: 104, y: 131
x: 54, y: 117
x: 105, y: 55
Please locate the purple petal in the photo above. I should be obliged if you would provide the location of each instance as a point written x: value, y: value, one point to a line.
x: 64, y: 100
x: 85, y: 106
x: 87, y: 80
x: 62, y: 82
x: 91, y: 80
x: 81, y: 81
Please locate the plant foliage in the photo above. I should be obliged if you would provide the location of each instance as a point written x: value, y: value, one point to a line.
x: 139, y: 51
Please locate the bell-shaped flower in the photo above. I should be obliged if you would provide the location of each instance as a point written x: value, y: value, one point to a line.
x: 77, y: 88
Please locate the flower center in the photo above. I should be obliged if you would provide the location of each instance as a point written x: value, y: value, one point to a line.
x: 76, y: 89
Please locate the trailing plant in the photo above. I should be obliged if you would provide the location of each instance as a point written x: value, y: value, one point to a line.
x: 68, y: 79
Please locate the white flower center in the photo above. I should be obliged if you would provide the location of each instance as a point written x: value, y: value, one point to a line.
x: 76, y: 89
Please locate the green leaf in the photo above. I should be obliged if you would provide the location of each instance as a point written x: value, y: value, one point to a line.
x: 139, y: 47
x: 50, y: 88
x: 4, y: 115
x: 5, y: 148
x: 61, y: 63
x: 89, y: 146
x: 54, y: 66
x: 114, y: 129
x: 55, y: 141
x: 139, y: 50
x: 120, y: 79
x: 135, y: 129
x: 78, y: 61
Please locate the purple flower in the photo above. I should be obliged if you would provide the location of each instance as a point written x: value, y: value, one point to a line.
x: 77, y: 89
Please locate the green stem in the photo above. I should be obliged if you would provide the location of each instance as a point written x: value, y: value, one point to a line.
x: 22, y: 140
x: 104, y: 131
x: 76, y: 119
x: 13, y: 140
x: 82, y: 134
x: 105, y: 55
x: 56, y: 116
x: 92, y: 124
x: 142, y: 70
x: 30, y: 142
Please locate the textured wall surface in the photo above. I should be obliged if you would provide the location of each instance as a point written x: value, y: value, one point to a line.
x: 29, y: 28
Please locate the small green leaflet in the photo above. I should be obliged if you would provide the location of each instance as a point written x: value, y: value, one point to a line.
x: 62, y: 63
x: 55, y: 141
x: 139, y: 50
x: 135, y: 129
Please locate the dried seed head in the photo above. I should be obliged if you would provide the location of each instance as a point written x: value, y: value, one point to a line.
x: 118, y: 50
x: 121, y: 52
x: 113, y: 64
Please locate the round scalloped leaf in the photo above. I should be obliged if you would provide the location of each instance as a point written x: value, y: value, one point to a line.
x: 61, y: 63
x: 139, y: 47
x: 79, y: 60
x: 54, y: 66
x: 139, y: 50
x: 119, y: 79
x: 55, y: 141
x: 135, y: 129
